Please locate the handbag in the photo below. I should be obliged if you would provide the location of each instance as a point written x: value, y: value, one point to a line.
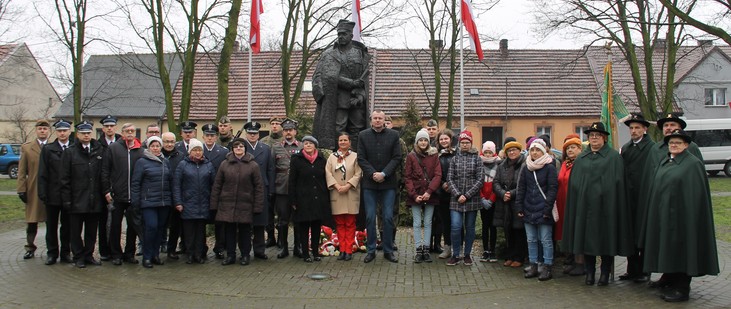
x: 554, y: 211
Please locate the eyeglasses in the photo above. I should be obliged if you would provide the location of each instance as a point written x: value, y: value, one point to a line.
x: 676, y: 143
x: 240, y: 146
x: 153, y: 132
x: 169, y: 142
x: 595, y: 135
x: 513, y: 150
x: 129, y: 131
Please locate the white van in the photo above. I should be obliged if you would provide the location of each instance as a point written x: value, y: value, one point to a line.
x: 713, y: 136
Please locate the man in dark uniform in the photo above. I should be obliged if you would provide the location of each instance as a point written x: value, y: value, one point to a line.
x: 263, y: 157
x: 216, y: 154
x: 283, y: 151
x: 81, y: 193
x: 274, y: 137
x: 635, y: 154
x: 188, y: 131
x: 119, y: 161
x: 49, y: 191
x: 109, y: 136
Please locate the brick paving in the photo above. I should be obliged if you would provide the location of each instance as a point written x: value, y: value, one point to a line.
x: 284, y: 284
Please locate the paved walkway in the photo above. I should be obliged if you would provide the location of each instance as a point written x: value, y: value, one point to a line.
x: 284, y: 284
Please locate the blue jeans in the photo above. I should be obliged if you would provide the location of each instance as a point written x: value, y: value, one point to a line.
x: 544, y: 233
x: 458, y: 218
x: 387, y: 198
x: 424, y: 215
x: 155, y: 219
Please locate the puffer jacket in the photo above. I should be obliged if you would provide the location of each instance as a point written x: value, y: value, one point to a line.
x: 192, y: 187
x: 445, y: 158
x: 530, y: 202
x: 416, y: 182
x: 238, y: 191
x: 465, y: 178
x: 151, y: 182
x: 506, y: 180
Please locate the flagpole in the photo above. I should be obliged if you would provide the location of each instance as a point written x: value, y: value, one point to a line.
x: 610, y: 106
x: 461, y: 72
x: 248, y: 97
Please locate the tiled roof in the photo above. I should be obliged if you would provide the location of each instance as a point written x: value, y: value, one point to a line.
x: 123, y: 85
x: 687, y: 57
x: 539, y: 83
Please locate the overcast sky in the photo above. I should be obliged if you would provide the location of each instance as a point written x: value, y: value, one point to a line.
x: 510, y: 19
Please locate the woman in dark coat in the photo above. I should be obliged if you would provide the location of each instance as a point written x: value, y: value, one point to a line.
x: 680, y: 239
x: 151, y: 192
x: 446, y: 153
x: 505, y: 187
x: 597, y: 213
x: 309, y: 196
x: 237, y: 194
x: 192, y: 184
x: 537, y: 188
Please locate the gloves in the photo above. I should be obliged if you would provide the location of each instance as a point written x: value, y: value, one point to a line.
x: 23, y: 197
x: 486, y: 204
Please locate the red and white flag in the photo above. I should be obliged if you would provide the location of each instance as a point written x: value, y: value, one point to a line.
x: 255, y: 32
x: 471, y: 27
x: 355, y: 4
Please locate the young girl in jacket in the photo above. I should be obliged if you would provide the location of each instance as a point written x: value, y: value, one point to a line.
x: 423, y: 178
x: 490, y: 161
x: 537, y: 187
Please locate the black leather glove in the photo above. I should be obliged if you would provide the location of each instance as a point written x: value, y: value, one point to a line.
x: 23, y: 197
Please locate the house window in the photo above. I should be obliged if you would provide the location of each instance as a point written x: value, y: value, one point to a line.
x: 580, y: 132
x: 715, y: 96
x: 543, y: 131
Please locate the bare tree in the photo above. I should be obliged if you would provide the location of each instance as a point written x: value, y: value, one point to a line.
x: 225, y: 61
x: 157, y: 32
x: 17, y: 116
x: 683, y: 12
x: 634, y: 27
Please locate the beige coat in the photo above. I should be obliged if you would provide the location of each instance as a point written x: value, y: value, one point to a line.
x: 344, y: 203
x: 30, y: 153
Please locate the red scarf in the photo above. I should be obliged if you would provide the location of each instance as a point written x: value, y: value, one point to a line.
x: 310, y: 158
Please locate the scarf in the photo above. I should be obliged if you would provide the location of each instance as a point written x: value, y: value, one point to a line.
x: 310, y: 158
x: 538, y: 164
x: 341, y: 161
x: 489, y: 167
x: 569, y: 163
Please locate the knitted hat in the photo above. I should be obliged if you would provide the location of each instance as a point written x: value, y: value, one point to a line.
x: 530, y: 141
x: 512, y: 144
x: 488, y: 146
x: 153, y: 139
x: 421, y: 134
x: 538, y: 143
x: 194, y: 143
x: 465, y: 135
x: 570, y: 136
x: 311, y: 139
x: 571, y: 141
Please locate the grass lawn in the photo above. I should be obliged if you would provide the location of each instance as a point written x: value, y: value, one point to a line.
x: 11, y: 208
x: 7, y: 184
x: 720, y: 184
x: 722, y: 217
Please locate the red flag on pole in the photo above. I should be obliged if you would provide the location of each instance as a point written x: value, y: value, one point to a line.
x: 471, y: 27
x: 355, y: 4
x: 254, y: 32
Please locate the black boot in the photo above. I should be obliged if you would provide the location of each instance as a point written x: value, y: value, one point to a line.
x: 283, y: 230
x: 532, y: 271
x: 603, y: 279
x: 419, y: 256
x: 546, y: 273
x: 271, y: 240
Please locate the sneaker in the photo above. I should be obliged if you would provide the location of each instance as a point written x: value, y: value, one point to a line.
x: 467, y: 261
x: 453, y: 261
x: 485, y: 256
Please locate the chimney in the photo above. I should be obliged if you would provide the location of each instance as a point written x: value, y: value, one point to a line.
x: 504, y: 48
x: 236, y: 46
x: 436, y: 44
x: 659, y: 43
x: 708, y: 43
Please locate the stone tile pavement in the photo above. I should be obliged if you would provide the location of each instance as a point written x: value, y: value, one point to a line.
x: 284, y: 284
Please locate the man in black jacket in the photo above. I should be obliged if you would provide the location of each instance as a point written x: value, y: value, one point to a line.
x: 379, y: 156
x: 119, y: 162
x: 49, y: 191
x: 81, y: 194
x: 110, y: 136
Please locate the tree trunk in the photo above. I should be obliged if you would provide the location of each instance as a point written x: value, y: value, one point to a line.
x: 225, y: 61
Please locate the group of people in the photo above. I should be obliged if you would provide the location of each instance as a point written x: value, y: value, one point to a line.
x: 650, y: 202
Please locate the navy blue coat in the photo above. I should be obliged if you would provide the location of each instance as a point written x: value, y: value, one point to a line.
x: 530, y: 201
x: 192, y: 188
x: 151, y: 182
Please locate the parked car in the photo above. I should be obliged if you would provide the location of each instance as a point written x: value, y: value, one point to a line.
x: 9, y: 158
